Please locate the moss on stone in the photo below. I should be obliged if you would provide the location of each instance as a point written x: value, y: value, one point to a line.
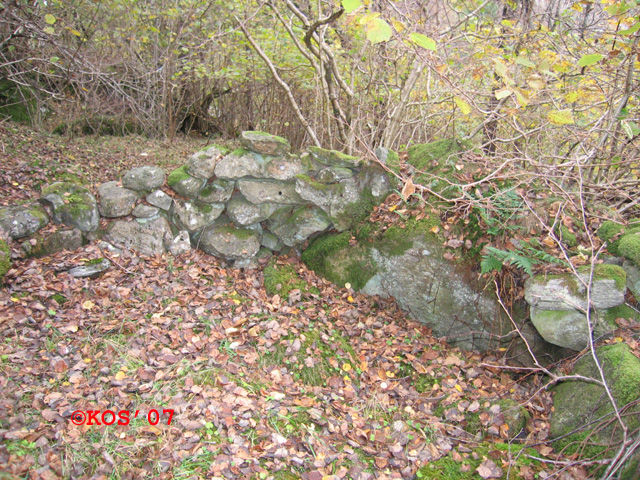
x: 397, y: 240
x: 607, y: 231
x: 239, y: 233
x: 333, y: 157
x: 356, y: 212
x: 576, y: 403
x: 604, y: 271
x: 313, y: 183
x: 610, y: 315
x: 423, y: 156
x: 239, y: 152
x: 334, y: 258
x: 5, y: 259
x: 629, y: 248
x: 177, y: 176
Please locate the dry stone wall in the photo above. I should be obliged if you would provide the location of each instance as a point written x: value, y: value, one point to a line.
x: 237, y: 206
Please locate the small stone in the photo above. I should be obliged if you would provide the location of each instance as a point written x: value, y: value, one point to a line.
x: 160, y: 199
x: 21, y: 221
x: 145, y: 211
x: 181, y: 244
x: 184, y: 184
x: 265, y: 143
x: 144, y: 178
x: 115, y: 201
x: 92, y: 270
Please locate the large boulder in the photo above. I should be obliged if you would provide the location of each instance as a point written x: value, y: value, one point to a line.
x: 22, y: 220
x: 143, y: 179
x: 294, y: 225
x: 264, y: 143
x: 582, y: 410
x: 72, y: 204
x: 150, y: 238
x: 184, y: 184
x: 226, y: 240
x: 116, y: 201
x: 194, y: 216
x: 409, y: 264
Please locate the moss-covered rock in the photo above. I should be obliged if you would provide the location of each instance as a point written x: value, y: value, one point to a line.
x: 226, y: 240
x: 72, y: 204
x: 22, y: 220
x: 5, y: 259
x: 333, y: 158
x: 584, y: 408
x: 265, y: 143
x: 629, y: 248
x: 439, y: 159
x: 184, y: 184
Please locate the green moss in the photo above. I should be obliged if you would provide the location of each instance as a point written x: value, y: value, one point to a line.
x: 629, y: 248
x: 610, y: 315
x: 15, y: 102
x: 313, y: 183
x: 94, y: 261
x: 177, y: 176
x: 5, y: 259
x: 631, y: 469
x: 608, y: 229
x: 397, y: 240
x: 334, y: 258
x: 568, y: 237
x: 423, y: 156
x: 604, y: 271
x: 333, y: 157
x: 356, y: 212
x: 239, y: 152
x: 281, y: 279
x: 239, y: 233
x: 99, y: 125
x: 59, y: 298
x: 447, y: 468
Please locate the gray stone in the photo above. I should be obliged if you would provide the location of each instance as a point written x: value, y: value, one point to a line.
x: 242, y: 212
x: 145, y: 178
x: 566, y: 292
x: 22, y: 220
x: 72, y: 204
x: 584, y: 408
x: 334, y: 175
x: 203, y: 163
x: 91, y: 270
x: 569, y: 328
x: 160, y: 199
x: 181, y: 244
x: 151, y: 238
x: 54, y: 242
x: 184, y: 184
x: 333, y: 158
x: 283, y: 168
x: 294, y: 225
x: 265, y: 143
x: 434, y: 292
x: 218, y: 191
x: 225, y: 240
x: 270, y: 241
x: 193, y: 216
x: 116, y: 201
x: 238, y: 164
x: 565, y: 328
x: 633, y: 278
x: 145, y: 211
x: 265, y: 191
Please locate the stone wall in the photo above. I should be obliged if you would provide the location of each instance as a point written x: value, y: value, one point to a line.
x: 237, y: 206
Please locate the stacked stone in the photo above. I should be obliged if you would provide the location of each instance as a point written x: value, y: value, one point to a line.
x: 260, y: 197
x: 558, y: 305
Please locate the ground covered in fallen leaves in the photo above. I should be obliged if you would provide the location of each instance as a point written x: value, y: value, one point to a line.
x: 208, y: 376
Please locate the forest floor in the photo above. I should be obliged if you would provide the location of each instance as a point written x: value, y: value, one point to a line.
x: 208, y: 376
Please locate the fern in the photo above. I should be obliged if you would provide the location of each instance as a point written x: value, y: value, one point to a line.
x: 497, y: 258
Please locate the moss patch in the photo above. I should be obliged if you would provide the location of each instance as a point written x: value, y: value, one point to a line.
x: 446, y: 468
x: 5, y: 259
x: 177, y: 176
x: 629, y: 248
x: 577, y: 403
x: 568, y: 237
x: 604, y: 271
x: 333, y: 157
x: 334, y: 258
x: 356, y: 212
x: 282, y: 278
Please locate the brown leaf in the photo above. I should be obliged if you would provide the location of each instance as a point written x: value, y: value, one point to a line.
x: 488, y: 469
x: 408, y: 189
